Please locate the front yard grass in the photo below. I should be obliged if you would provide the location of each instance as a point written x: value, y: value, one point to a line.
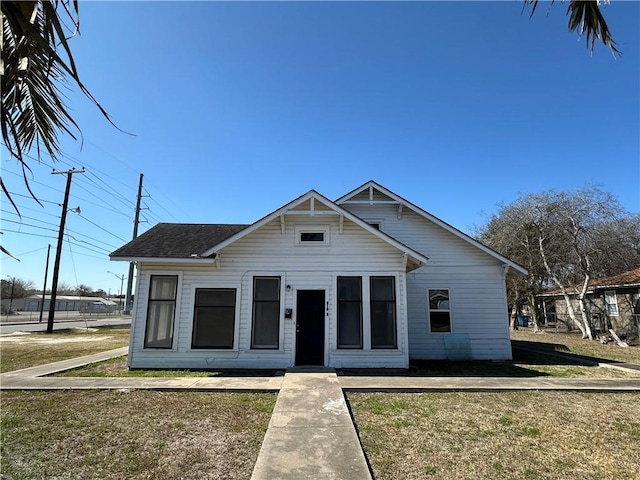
x: 524, y: 365
x: 506, y: 435
x: 32, y: 349
x: 563, y: 341
x: 117, y: 367
x: 132, y: 434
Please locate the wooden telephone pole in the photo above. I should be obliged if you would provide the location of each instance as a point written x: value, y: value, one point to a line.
x: 56, y: 265
x: 136, y: 222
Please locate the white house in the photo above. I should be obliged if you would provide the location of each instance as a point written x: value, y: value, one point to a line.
x: 369, y: 280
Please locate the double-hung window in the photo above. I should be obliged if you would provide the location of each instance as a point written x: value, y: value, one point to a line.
x: 161, y: 311
x: 439, y: 311
x: 612, y: 303
x: 265, y: 331
x: 214, y: 318
x: 383, y: 312
x: 349, y: 312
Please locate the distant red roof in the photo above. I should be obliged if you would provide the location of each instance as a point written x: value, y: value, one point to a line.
x: 626, y: 279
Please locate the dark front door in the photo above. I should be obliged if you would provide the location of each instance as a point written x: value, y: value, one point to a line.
x: 310, y: 327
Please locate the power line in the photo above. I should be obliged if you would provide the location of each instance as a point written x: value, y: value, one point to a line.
x: 107, y: 207
x: 55, y: 230
x: 101, y: 228
x: 55, y: 225
x: 31, y: 234
x: 29, y: 196
x: 120, y: 196
x: 161, y: 207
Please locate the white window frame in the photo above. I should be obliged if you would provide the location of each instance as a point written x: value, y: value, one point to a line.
x: 611, y: 295
x: 146, y: 291
x: 281, y: 324
x: 192, y: 310
x: 450, y: 310
x: 324, y: 229
x: 401, y: 336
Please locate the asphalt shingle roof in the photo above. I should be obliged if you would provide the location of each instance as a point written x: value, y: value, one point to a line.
x: 177, y: 240
x: 626, y: 279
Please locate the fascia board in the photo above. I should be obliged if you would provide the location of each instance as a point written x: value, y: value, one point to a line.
x: 163, y: 260
x: 338, y: 209
x: 437, y: 221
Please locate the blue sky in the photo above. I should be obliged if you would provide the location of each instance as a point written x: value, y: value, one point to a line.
x: 239, y: 107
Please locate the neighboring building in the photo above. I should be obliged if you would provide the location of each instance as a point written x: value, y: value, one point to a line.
x: 612, y: 302
x: 369, y: 280
x: 66, y: 303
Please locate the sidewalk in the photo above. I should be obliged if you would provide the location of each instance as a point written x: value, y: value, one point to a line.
x: 311, y: 434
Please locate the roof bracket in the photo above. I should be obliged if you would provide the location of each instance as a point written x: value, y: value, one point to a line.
x: 399, y: 211
x: 313, y: 206
x: 217, y: 261
x: 341, y: 223
x: 282, y: 224
x: 370, y: 195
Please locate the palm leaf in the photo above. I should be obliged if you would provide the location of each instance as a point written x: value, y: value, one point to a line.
x: 586, y: 18
x: 36, y: 62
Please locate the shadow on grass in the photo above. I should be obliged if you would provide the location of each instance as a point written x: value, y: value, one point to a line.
x: 474, y: 368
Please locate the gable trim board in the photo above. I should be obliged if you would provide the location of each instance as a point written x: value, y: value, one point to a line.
x: 473, y: 277
x: 288, y: 209
x: 400, y: 201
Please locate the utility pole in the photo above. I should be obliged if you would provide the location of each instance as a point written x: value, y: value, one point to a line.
x: 13, y: 285
x: 136, y: 221
x: 121, y: 278
x: 56, y: 265
x: 44, y: 286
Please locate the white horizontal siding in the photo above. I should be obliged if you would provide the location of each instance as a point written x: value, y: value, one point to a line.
x: 474, y: 279
x: 268, y: 251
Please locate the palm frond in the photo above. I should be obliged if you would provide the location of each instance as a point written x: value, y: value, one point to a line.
x: 586, y: 18
x: 36, y: 61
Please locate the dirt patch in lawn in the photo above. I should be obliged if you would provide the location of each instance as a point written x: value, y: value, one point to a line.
x: 134, y: 435
x: 32, y: 349
x: 515, y: 435
x: 25, y: 339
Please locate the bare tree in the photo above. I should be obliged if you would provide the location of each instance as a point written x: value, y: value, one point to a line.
x: 16, y: 288
x: 565, y: 240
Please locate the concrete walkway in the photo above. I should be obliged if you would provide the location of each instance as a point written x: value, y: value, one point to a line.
x: 311, y: 434
x: 35, y: 378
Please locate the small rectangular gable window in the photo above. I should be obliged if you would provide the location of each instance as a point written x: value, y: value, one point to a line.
x: 312, y: 237
x: 439, y: 311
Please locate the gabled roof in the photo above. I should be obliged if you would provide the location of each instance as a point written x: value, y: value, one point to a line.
x: 176, y: 240
x: 371, y: 185
x: 418, y: 258
x: 628, y: 279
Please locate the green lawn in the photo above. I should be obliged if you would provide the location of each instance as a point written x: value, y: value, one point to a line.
x: 514, y: 435
x: 132, y: 435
